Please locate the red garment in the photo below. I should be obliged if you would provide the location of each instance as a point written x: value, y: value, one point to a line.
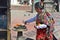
x: 41, y: 33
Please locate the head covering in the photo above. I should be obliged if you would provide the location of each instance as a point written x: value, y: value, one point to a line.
x: 38, y: 5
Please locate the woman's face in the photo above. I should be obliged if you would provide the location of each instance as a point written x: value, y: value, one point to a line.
x: 38, y: 10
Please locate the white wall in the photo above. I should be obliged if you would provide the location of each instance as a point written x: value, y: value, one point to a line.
x: 14, y: 2
x: 59, y: 6
x: 30, y: 2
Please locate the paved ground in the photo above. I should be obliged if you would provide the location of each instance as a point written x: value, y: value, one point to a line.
x: 17, y: 17
x: 21, y: 16
x: 57, y: 24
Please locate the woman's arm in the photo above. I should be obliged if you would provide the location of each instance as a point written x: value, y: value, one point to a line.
x: 50, y: 16
x: 31, y: 20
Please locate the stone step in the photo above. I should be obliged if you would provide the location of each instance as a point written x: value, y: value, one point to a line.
x: 21, y: 7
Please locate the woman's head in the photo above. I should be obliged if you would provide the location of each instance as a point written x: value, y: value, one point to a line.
x: 38, y: 7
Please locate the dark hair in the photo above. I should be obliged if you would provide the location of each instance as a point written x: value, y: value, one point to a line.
x: 38, y: 5
x: 42, y: 0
